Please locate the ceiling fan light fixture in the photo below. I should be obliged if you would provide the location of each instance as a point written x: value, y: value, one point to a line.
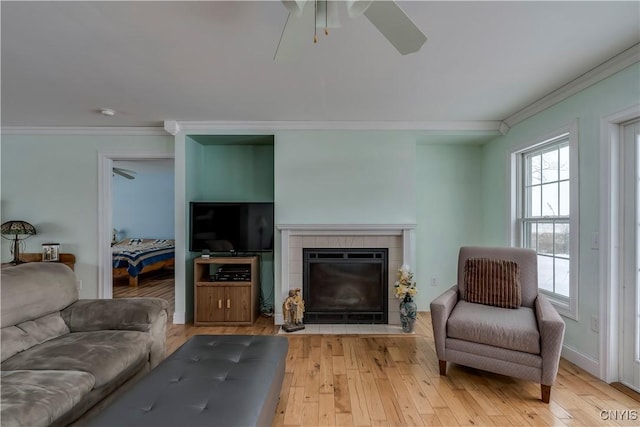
x: 357, y: 7
x: 294, y: 6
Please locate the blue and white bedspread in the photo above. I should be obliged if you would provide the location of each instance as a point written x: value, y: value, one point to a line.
x: 136, y: 254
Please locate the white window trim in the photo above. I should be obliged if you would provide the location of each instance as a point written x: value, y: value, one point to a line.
x: 566, y: 307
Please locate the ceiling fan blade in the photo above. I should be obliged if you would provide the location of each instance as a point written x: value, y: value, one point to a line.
x: 297, y: 33
x: 126, y: 173
x: 396, y: 26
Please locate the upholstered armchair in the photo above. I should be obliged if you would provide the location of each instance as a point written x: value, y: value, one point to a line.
x: 495, y: 320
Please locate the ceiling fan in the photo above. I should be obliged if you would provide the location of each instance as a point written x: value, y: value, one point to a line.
x: 386, y: 16
x: 125, y: 173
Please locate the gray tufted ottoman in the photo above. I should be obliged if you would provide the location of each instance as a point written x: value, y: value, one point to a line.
x: 212, y: 380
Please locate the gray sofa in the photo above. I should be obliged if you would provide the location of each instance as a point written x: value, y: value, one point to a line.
x: 64, y: 359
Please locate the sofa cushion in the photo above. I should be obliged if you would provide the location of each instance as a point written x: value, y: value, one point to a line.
x: 501, y: 327
x: 35, y: 289
x: 493, y: 282
x: 32, y: 332
x: 105, y: 354
x: 38, y: 398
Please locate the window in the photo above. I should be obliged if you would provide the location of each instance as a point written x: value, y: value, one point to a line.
x: 545, y: 214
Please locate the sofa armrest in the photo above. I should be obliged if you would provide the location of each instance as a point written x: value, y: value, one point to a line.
x: 131, y: 314
x: 441, y: 308
x: 551, y: 327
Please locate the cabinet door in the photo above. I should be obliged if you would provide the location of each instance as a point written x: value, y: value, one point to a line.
x: 211, y: 302
x: 238, y: 304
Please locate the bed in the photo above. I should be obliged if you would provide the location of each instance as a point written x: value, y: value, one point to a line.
x: 133, y: 257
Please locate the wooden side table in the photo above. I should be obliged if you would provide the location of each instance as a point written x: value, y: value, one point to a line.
x: 67, y: 259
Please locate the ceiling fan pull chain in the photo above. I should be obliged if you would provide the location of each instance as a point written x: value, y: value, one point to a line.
x: 315, y: 22
x: 326, y: 17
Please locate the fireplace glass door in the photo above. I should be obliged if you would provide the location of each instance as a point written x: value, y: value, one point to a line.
x: 345, y: 285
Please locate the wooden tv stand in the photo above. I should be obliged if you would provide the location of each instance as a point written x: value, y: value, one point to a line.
x: 225, y: 302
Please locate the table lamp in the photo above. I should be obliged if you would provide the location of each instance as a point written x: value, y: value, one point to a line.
x: 17, y: 229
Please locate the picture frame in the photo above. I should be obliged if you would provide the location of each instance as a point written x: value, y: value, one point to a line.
x: 51, y: 252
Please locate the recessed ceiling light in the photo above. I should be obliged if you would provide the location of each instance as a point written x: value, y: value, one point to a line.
x: 107, y: 112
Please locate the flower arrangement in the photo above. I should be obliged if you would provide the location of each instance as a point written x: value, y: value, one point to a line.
x: 405, y: 286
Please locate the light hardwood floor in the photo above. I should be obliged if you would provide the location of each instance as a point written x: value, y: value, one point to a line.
x: 393, y: 380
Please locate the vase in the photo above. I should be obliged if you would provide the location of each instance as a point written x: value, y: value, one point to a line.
x: 408, y: 314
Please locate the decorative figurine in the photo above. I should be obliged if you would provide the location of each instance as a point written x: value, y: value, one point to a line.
x: 293, y: 311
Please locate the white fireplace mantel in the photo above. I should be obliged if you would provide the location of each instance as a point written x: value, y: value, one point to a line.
x: 406, y: 231
x: 347, y: 229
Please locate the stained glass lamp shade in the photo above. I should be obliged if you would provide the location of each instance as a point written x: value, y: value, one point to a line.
x: 20, y: 230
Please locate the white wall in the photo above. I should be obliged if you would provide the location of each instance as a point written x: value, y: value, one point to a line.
x: 51, y: 181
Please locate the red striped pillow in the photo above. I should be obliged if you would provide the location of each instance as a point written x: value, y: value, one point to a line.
x: 493, y: 282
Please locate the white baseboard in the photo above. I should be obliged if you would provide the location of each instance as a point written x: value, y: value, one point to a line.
x: 178, y: 318
x: 581, y: 360
x: 278, y: 319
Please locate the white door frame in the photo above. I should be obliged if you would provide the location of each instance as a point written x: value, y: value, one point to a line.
x: 105, y: 214
x: 610, y: 229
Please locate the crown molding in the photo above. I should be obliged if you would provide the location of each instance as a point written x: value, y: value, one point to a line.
x: 83, y: 130
x: 608, y: 68
x: 272, y: 126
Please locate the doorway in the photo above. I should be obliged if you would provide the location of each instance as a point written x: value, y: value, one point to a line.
x: 143, y: 243
x: 105, y: 208
x: 630, y: 255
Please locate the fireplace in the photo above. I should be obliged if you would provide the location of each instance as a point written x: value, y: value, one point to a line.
x: 345, y: 285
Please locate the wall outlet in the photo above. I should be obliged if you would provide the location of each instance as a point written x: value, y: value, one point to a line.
x: 79, y: 283
x: 595, y: 324
x: 434, y: 282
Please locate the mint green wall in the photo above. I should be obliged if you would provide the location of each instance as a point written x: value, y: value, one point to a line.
x: 331, y: 177
x: 343, y: 177
x: 51, y: 181
x: 233, y: 173
x: 604, y: 98
x: 449, y: 213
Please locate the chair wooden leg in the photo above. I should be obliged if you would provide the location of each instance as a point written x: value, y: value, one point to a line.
x: 443, y: 367
x: 546, y: 392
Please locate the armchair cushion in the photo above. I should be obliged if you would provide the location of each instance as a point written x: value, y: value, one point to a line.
x: 493, y: 282
x: 500, y: 327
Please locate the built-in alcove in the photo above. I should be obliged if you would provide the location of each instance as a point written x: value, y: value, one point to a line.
x: 230, y: 168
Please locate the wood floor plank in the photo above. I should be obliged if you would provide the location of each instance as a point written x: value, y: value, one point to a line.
x: 326, y: 367
x: 341, y: 398
x: 358, y: 400
x: 392, y: 407
x: 310, y: 413
x: 372, y: 396
x: 293, y: 413
x: 326, y: 410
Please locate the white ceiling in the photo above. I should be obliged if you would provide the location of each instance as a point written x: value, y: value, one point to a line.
x: 213, y: 61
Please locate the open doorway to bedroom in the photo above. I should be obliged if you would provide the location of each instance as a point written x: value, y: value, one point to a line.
x: 142, y: 236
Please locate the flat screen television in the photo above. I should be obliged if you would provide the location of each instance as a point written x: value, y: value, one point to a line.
x: 231, y: 226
